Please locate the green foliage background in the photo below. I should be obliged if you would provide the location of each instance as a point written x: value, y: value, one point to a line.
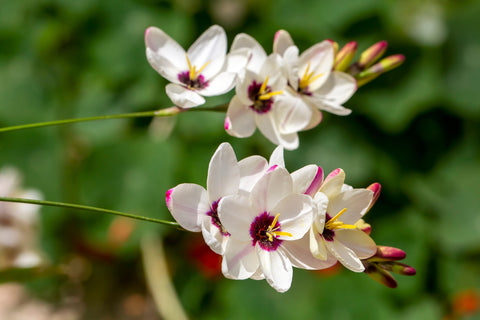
x: 415, y: 130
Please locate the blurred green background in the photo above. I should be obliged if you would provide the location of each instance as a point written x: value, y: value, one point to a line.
x: 415, y: 130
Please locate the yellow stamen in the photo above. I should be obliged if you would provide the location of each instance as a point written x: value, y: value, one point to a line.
x: 308, y: 77
x: 268, y: 95
x: 333, y: 224
x: 264, y: 86
x: 271, y: 231
x: 192, y: 70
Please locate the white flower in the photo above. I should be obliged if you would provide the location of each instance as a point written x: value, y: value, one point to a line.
x: 261, y: 225
x: 203, y: 70
x: 333, y: 233
x: 195, y: 208
x: 18, y: 223
x: 312, y: 83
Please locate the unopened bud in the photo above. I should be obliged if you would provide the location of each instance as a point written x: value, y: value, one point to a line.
x: 377, y: 69
x: 345, y: 56
x: 362, y: 225
x: 380, y: 275
x: 372, y: 54
x: 398, y: 268
x: 385, y: 253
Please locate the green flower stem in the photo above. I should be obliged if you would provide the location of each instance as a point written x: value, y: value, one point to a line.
x: 156, y: 113
x: 88, y: 208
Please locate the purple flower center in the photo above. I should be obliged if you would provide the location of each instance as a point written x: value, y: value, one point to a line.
x: 303, y: 91
x: 262, y: 232
x: 196, y: 83
x: 328, y: 234
x: 259, y: 105
x: 215, y: 220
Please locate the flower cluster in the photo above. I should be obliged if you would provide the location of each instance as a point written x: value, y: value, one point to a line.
x: 264, y: 220
x: 18, y: 224
x: 281, y: 94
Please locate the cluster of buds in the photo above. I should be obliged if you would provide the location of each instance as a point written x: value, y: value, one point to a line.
x: 18, y: 224
x: 264, y: 220
x: 366, y: 68
x: 281, y: 93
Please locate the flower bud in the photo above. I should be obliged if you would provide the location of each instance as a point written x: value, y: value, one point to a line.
x: 398, y: 268
x: 376, y: 188
x: 372, y: 54
x: 377, y: 69
x: 379, y: 275
x: 345, y: 56
x: 385, y: 253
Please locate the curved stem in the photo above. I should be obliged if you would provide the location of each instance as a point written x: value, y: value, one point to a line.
x: 88, y: 208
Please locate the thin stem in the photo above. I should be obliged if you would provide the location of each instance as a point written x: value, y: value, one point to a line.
x: 88, y: 208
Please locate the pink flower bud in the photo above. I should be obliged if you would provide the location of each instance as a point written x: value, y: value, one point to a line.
x: 345, y: 56
x: 372, y: 54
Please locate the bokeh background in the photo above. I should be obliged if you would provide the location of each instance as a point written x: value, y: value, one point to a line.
x: 415, y: 130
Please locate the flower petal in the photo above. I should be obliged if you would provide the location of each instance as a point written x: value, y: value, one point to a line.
x: 211, y: 48
x: 292, y: 113
x: 270, y: 189
x: 299, y: 254
x: 237, y: 60
x: 316, y: 182
x: 214, y: 238
x: 319, y: 60
x: 269, y: 128
x: 276, y: 159
x: 164, y: 54
x: 237, y: 215
x: 333, y: 183
x: 183, y: 97
x: 240, y: 120
x: 276, y: 267
x: 317, y: 245
x: 295, y: 215
x: 220, y: 84
x: 251, y: 170
x: 345, y: 255
x: 281, y: 41
x: 358, y: 241
x: 303, y: 178
x: 240, y: 260
x: 356, y: 201
x: 258, y: 54
x: 317, y: 117
x: 339, y: 88
x: 188, y: 203
x: 223, y: 173
x: 319, y: 102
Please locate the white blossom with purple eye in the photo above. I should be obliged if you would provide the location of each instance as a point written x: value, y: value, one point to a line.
x: 261, y: 225
x: 201, y: 71
x: 334, y: 233
x: 195, y: 208
x: 313, y: 86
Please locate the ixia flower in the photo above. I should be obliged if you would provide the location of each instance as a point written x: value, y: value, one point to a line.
x: 312, y: 85
x: 334, y: 230
x: 261, y: 226
x: 201, y: 71
x: 195, y: 208
x: 18, y: 223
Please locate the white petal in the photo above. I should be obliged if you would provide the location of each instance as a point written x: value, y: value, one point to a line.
x: 292, y: 113
x: 270, y: 189
x: 321, y: 204
x: 214, y: 238
x: 317, y: 245
x: 267, y: 125
x: 276, y: 159
x: 290, y: 59
x: 319, y: 102
x: 296, y: 215
x: 345, y: 255
x: 356, y: 201
x: 299, y: 254
x: 258, y: 54
x: 183, y: 97
x: 219, y: 85
x: 211, y: 48
x: 240, y: 260
x: 251, y: 170
x: 270, y: 68
x: 276, y: 268
x: 164, y: 54
x: 240, y: 120
x: 237, y: 60
x: 188, y: 203
x: 333, y: 183
x: 223, y: 173
x: 357, y: 240
x: 237, y: 215
x: 338, y: 88
x: 315, y: 183
x: 242, y: 88
x: 282, y: 41
x: 315, y: 120
x: 303, y: 178
x: 258, y: 275
x: 319, y: 60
